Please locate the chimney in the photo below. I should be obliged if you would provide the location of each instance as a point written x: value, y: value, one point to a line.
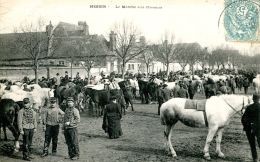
x: 83, y: 27
x: 142, y: 40
x: 49, y: 29
x: 112, y: 40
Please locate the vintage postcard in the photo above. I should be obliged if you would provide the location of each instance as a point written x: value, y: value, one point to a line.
x: 108, y: 80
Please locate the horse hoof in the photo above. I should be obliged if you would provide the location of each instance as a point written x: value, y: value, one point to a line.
x: 16, y: 150
x: 207, y: 158
x: 221, y: 155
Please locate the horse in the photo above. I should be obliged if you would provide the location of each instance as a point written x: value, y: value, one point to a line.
x: 101, y: 97
x: 256, y: 84
x: 8, y: 118
x: 217, y: 114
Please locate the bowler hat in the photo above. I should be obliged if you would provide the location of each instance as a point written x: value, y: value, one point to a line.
x: 256, y: 96
x: 26, y: 100
x: 70, y: 99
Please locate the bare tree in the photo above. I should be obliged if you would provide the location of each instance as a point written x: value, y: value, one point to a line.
x: 91, y: 52
x: 147, y: 57
x: 33, y: 41
x: 126, y: 47
x: 203, y: 57
x: 166, y: 51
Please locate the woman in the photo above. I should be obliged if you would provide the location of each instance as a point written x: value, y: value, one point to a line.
x: 111, y: 120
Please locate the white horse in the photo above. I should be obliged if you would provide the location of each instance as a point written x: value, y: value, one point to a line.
x: 256, y: 84
x: 218, y: 112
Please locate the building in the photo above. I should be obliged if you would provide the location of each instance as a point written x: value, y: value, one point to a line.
x: 67, y: 49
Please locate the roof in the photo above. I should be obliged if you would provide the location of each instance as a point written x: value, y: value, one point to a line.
x: 66, y: 48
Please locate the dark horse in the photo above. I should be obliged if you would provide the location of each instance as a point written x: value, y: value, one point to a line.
x: 100, y: 98
x: 127, y: 92
x: 147, y: 91
x: 8, y: 118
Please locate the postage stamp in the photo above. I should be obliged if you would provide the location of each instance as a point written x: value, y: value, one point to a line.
x: 241, y: 20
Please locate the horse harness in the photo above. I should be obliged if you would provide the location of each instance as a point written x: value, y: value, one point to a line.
x: 234, y: 108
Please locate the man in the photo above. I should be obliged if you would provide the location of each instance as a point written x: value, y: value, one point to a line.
x: 26, y: 88
x: 164, y: 95
x: 113, y: 84
x: 251, y: 123
x: 51, y: 119
x: 191, y: 90
x: 182, y: 92
x: 27, y: 125
x: 71, y: 121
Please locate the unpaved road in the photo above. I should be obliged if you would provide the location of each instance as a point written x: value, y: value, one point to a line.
x: 142, y: 141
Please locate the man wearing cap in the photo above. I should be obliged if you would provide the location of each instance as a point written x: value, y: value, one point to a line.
x: 182, y: 92
x: 251, y: 123
x: 71, y: 121
x: 164, y: 95
x: 27, y: 125
x: 51, y: 119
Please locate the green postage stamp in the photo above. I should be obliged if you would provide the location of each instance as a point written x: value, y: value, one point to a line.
x: 241, y: 20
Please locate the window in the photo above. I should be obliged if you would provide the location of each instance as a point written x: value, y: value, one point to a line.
x: 133, y: 66
x: 129, y: 66
x: 61, y: 62
x: 51, y: 62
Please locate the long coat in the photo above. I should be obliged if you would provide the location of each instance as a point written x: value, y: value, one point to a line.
x: 111, y: 120
x: 251, y: 118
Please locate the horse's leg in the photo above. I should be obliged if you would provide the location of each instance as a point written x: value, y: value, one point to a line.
x: 4, y: 129
x: 168, y: 133
x: 211, y: 133
x: 218, y: 142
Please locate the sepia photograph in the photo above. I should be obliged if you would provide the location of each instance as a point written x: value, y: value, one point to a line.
x: 129, y: 81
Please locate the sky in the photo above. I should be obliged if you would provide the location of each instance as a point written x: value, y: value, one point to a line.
x: 187, y: 20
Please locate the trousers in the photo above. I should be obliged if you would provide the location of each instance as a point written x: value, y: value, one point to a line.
x: 27, y: 142
x: 71, y: 137
x: 51, y: 134
x: 252, y: 136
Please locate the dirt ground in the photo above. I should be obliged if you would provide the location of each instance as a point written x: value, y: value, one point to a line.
x: 142, y: 141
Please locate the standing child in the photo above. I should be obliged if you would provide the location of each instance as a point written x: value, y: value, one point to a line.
x: 51, y: 120
x: 27, y: 125
x: 71, y: 121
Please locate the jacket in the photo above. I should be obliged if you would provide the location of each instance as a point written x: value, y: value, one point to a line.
x: 27, y: 119
x: 72, y: 116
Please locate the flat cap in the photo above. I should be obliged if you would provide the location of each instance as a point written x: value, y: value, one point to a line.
x: 26, y: 100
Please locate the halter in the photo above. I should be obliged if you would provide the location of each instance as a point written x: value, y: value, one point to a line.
x: 239, y: 112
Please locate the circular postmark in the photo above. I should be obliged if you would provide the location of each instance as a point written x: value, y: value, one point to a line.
x: 241, y: 20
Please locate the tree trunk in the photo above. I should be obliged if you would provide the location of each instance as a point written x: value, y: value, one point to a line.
x: 88, y: 75
x: 192, y: 68
x: 167, y: 68
x: 147, y: 69
x: 123, y: 69
x: 48, y: 72
x: 36, y: 72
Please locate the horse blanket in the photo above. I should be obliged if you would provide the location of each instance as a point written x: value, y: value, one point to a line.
x: 198, y: 105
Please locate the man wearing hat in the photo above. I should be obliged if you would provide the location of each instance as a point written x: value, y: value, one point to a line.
x: 113, y: 84
x: 251, y: 123
x: 27, y: 125
x: 182, y: 92
x: 51, y: 119
x: 71, y: 121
